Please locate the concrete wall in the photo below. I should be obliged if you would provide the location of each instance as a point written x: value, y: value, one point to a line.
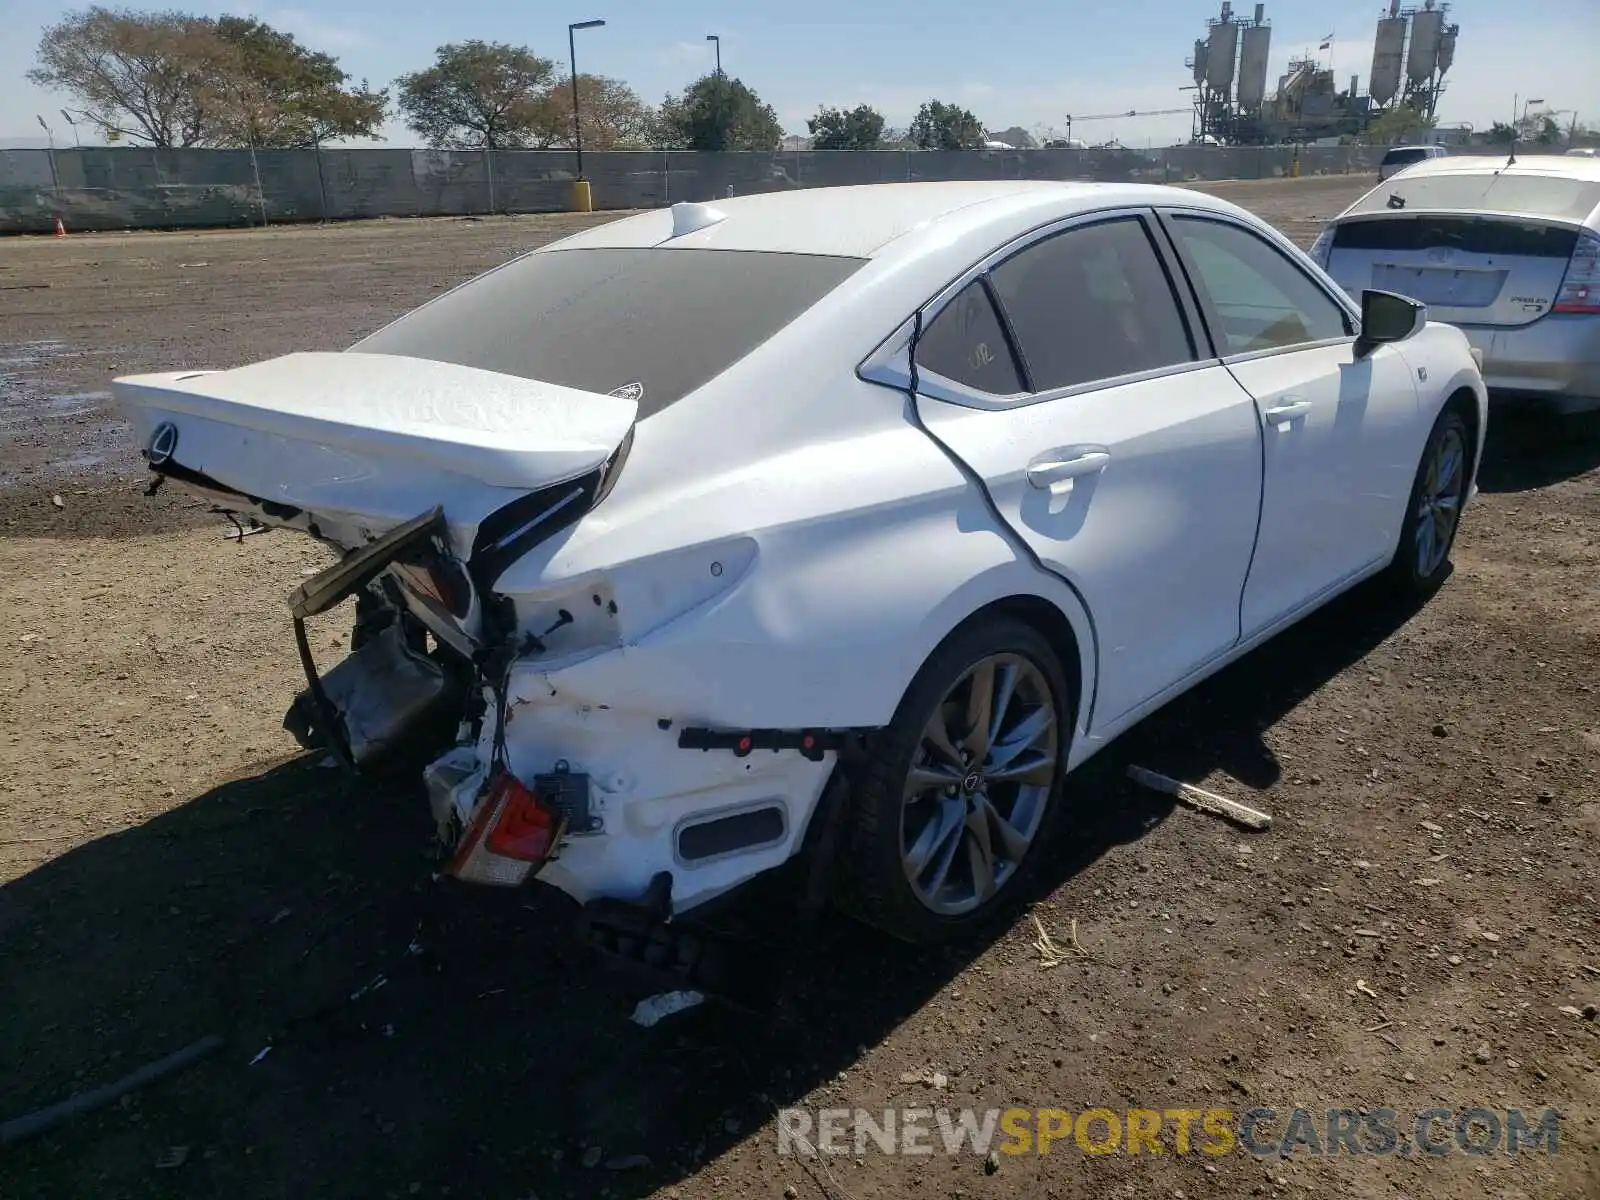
x: 125, y: 188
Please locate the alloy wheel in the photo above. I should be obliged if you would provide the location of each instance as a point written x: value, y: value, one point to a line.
x: 980, y: 780
x: 1439, y: 501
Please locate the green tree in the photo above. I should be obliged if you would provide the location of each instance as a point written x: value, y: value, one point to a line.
x: 718, y: 113
x: 613, y: 115
x: 1500, y: 132
x: 149, y: 77
x: 478, y: 95
x: 281, y: 94
x: 1398, y: 125
x: 860, y: 128
x: 941, y: 126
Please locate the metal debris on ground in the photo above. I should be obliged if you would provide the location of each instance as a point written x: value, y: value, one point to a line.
x: 664, y: 1004
x: 1202, y: 800
x: 1051, y: 953
x: 376, y: 982
x: 260, y: 1054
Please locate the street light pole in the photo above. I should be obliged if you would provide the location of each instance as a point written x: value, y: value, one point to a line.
x: 714, y: 38
x: 572, y: 52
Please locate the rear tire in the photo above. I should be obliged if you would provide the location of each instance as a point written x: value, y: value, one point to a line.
x: 961, y: 789
x: 1433, y: 513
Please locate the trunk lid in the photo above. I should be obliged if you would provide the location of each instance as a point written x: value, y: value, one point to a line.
x: 351, y: 447
x: 358, y: 443
x: 1468, y: 270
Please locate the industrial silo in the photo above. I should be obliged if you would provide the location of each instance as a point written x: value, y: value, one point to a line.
x: 1426, y: 28
x: 1447, y: 47
x: 1221, y: 49
x: 1254, y: 45
x: 1387, y: 59
x: 1199, y: 60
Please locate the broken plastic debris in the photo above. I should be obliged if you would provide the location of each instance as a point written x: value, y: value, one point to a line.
x: 665, y: 1004
x: 260, y: 1054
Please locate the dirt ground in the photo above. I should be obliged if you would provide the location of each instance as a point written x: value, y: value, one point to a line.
x: 1407, y: 935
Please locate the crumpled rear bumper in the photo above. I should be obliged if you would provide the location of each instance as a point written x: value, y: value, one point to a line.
x: 710, y: 818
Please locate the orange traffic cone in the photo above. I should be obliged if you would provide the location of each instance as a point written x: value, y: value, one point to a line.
x: 61, y: 230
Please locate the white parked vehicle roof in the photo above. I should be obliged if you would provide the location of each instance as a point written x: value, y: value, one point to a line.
x: 861, y: 221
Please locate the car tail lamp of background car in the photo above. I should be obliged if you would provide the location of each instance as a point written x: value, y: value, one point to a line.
x: 511, y: 835
x: 1580, y: 287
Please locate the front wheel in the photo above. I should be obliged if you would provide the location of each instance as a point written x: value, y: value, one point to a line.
x: 1422, y: 559
x: 963, y: 785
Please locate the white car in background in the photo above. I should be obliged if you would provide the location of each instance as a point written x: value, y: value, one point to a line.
x: 1507, y: 251
x: 956, y: 480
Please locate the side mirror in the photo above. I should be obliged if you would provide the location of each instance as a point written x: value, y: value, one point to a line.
x: 1388, y: 317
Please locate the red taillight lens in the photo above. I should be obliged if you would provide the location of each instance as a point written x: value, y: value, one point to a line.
x: 511, y: 833
x: 1580, y: 287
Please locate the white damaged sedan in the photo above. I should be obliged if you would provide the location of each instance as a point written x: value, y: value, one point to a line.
x: 936, y: 486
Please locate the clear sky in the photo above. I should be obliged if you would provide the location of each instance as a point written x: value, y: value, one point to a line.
x: 1013, y: 62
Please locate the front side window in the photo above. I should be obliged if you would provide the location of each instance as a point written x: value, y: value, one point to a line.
x: 966, y: 343
x: 1263, y: 300
x: 1092, y: 303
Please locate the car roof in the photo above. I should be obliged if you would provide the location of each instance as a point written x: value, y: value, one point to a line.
x: 1555, y: 165
x: 861, y: 221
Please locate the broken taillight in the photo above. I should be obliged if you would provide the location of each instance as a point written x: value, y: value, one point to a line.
x: 511, y: 834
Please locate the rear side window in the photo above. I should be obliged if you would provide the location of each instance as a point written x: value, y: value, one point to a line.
x: 1263, y: 300
x: 1092, y: 303
x: 657, y: 322
x: 966, y: 343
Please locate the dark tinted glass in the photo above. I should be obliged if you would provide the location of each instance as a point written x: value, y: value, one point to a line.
x: 966, y: 343
x: 1091, y: 303
x: 1406, y: 157
x: 1262, y: 298
x: 1472, y: 235
x: 601, y: 319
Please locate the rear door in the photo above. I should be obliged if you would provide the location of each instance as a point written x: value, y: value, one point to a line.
x: 1468, y: 269
x: 1340, y: 430
x: 1072, y: 378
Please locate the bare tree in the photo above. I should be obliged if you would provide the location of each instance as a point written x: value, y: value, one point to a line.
x: 148, y: 77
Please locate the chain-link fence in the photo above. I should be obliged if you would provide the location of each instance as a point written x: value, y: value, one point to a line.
x: 141, y: 188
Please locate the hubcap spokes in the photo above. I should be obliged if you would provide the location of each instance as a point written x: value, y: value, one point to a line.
x: 1439, y: 505
x: 979, y: 783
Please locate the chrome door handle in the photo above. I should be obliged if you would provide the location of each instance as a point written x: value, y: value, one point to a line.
x: 1282, y: 414
x: 1055, y: 474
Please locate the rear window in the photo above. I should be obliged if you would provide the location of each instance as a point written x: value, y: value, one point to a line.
x: 659, y: 323
x: 1470, y: 235
x: 1406, y: 157
x: 1527, y: 195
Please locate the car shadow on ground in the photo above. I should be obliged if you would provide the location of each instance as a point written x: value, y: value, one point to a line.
x: 428, y: 1034
x: 1528, y: 450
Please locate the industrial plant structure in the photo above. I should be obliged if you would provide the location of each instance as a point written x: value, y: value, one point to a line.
x: 1413, y: 49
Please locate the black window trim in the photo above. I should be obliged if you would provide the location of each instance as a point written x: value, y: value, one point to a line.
x: 1165, y: 215
x: 887, y: 364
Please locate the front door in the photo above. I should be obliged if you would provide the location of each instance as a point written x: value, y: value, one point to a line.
x: 1339, y: 427
x: 1068, y: 378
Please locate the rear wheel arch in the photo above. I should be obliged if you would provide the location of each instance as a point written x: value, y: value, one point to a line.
x: 1464, y: 402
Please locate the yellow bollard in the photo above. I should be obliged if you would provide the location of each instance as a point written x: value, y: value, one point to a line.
x: 582, y: 198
